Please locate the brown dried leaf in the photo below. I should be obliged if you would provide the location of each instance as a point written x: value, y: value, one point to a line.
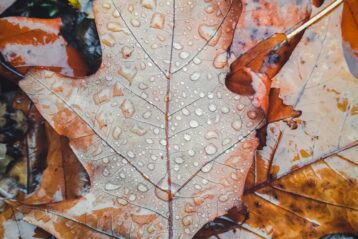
x: 304, y: 182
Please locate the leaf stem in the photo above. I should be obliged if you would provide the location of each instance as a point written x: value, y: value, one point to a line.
x: 314, y: 19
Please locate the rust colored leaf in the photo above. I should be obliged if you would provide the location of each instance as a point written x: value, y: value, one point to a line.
x: 350, y: 34
x: 278, y: 110
x: 30, y: 42
x: 62, y: 177
x: 239, y: 79
x: 13, y: 226
x: 34, y: 145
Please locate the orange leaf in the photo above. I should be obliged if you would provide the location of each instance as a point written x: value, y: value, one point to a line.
x: 350, y: 34
x: 30, y: 42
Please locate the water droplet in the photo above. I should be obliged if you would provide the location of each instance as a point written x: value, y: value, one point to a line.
x: 196, y: 61
x: 147, y: 114
x: 240, y: 107
x: 111, y: 186
x: 212, y: 107
x: 184, y: 55
x: 116, y: 132
x: 236, y: 125
x: 135, y: 22
x: 117, y: 90
x: 157, y: 21
x: 187, y: 137
x: 234, y: 176
x: 179, y: 160
x: 199, y: 112
x: 177, y: 46
x: 126, y: 52
x: 220, y: 60
x: 210, y: 33
x: 114, y: 27
x: 195, y: 76
x: 151, y: 167
x: 252, y: 114
x: 187, y: 220
x: 211, y: 135
x: 108, y: 40
x: 225, y: 110
x: 132, y: 197
x: 149, y: 4
x: 115, y: 13
x: 197, y: 186
x: 226, y: 141
x: 122, y: 201
x: 210, y: 149
x: 128, y: 71
x: 130, y: 154
x: 224, y: 197
x: 138, y: 130
x: 185, y: 111
x: 209, y: 9
x: 151, y: 229
x: 189, y: 208
x: 162, y: 190
x: 163, y: 142
x: 142, y: 188
x: 193, y: 123
x: 207, y: 168
x: 106, y: 6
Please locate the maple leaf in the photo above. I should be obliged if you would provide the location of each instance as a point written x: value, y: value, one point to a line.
x: 166, y: 144
x: 303, y: 183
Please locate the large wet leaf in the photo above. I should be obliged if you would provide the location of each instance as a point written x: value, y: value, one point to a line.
x: 166, y: 144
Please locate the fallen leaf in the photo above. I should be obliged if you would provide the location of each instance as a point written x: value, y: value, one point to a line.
x: 48, y: 156
x: 31, y: 42
x: 303, y: 183
x: 63, y: 178
x: 350, y: 34
x: 11, y: 226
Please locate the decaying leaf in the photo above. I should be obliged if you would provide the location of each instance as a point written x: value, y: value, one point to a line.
x: 29, y: 42
x: 11, y: 226
x: 33, y: 146
x: 63, y: 178
x: 303, y: 184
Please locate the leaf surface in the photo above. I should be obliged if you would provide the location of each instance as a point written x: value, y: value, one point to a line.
x: 166, y: 144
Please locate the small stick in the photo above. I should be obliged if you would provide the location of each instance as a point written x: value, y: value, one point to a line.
x: 314, y: 19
